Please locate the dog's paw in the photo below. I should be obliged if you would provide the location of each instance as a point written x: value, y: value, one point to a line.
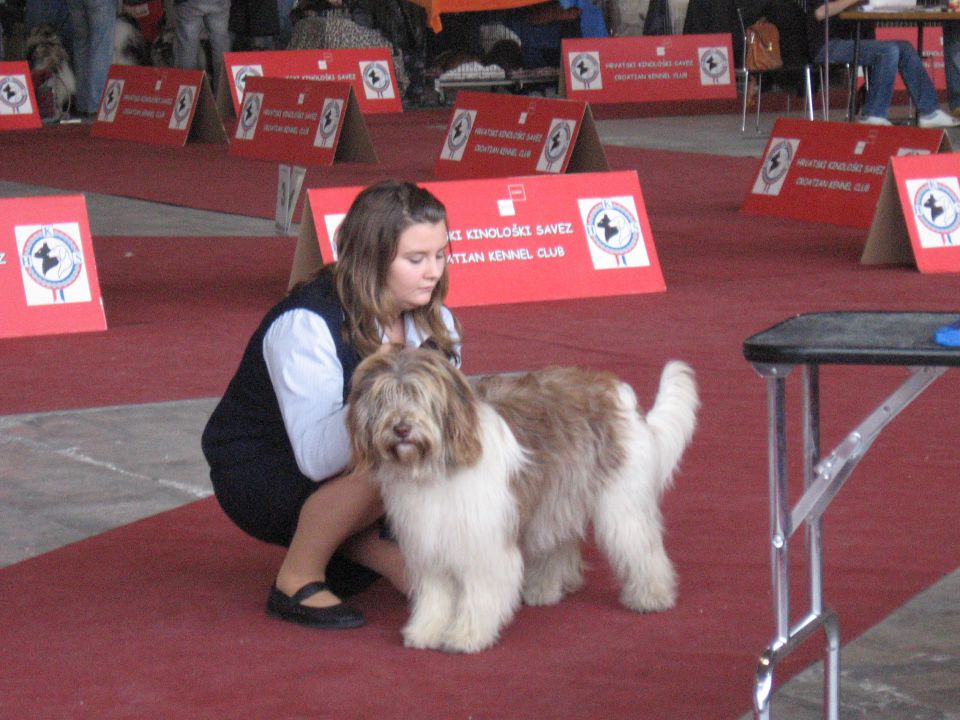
x: 422, y: 638
x: 650, y: 599
x: 468, y: 643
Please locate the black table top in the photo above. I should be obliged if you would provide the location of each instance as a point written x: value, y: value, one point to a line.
x: 855, y: 338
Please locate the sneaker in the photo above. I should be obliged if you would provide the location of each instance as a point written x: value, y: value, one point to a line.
x: 938, y: 119
x: 955, y: 112
x: 873, y: 120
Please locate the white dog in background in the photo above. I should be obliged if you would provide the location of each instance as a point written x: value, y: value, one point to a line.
x: 489, y: 488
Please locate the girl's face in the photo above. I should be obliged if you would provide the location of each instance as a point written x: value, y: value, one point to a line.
x: 418, y: 265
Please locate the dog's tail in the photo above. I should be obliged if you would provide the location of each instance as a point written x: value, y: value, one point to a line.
x: 673, y: 417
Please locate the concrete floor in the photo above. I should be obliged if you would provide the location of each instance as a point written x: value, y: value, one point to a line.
x: 66, y: 476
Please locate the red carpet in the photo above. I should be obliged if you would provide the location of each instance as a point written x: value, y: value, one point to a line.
x: 163, y: 618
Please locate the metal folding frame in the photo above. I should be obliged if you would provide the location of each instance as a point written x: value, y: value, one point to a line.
x: 823, y: 479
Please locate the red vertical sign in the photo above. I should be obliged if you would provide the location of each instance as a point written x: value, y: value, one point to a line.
x: 48, y: 277
x: 18, y: 104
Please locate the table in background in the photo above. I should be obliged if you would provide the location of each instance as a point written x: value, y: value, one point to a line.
x: 435, y: 7
x: 809, y: 341
x: 920, y: 16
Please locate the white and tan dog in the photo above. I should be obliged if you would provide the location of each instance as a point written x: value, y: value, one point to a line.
x: 490, y: 487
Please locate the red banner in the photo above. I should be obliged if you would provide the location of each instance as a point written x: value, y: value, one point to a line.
x: 48, y: 277
x: 521, y: 239
x: 648, y: 68
x: 497, y: 135
x: 158, y: 106
x: 831, y: 171
x: 369, y: 70
x: 18, y: 104
x: 918, y: 215
x: 306, y: 122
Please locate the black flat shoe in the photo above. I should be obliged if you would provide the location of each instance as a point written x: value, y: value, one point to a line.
x: 291, y: 609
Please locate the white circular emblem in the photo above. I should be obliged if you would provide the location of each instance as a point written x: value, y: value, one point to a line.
x: 613, y: 228
x: 937, y: 207
x: 241, y: 75
x: 714, y: 63
x: 250, y: 112
x: 111, y: 98
x: 376, y: 77
x: 459, y: 131
x: 558, y: 141
x: 181, y: 110
x: 584, y: 68
x: 777, y: 162
x: 330, y: 119
x: 13, y: 93
x: 52, y: 258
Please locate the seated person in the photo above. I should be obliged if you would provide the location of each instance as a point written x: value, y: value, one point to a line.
x: 884, y: 58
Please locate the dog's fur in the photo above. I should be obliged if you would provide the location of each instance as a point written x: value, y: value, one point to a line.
x: 45, y: 51
x: 489, y: 488
x: 129, y: 45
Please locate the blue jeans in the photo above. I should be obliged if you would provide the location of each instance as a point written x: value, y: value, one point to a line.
x: 951, y: 61
x: 885, y: 58
x: 93, y: 26
x: 192, y: 17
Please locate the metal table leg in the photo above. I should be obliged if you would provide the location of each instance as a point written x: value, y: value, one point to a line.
x: 823, y: 478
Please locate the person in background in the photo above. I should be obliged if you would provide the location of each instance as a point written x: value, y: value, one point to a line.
x: 951, y: 64
x: 277, y: 442
x: 884, y: 59
x: 192, y: 17
x: 93, y: 23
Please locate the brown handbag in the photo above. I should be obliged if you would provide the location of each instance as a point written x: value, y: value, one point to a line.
x: 763, y: 47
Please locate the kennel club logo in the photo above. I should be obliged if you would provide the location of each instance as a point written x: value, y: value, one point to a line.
x: 585, y: 71
x: 613, y: 232
x: 182, y: 107
x: 714, y: 66
x: 936, y: 207
x: 249, y: 116
x: 14, y: 96
x: 458, y: 135
x: 240, y: 73
x: 775, y: 166
x: 51, y: 264
x: 111, y: 100
x: 329, y: 122
x: 376, y: 80
x: 556, y: 145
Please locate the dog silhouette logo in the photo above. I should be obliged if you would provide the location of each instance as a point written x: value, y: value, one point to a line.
x: 111, y: 100
x: 52, y: 261
x: 714, y: 66
x: 329, y: 123
x: 182, y: 107
x: 585, y: 70
x: 376, y: 80
x: 458, y: 135
x: 556, y: 145
x: 14, y: 96
x: 936, y: 207
x: 613, y: 229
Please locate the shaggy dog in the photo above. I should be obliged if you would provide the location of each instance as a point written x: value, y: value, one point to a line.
x: 489, y: 488
x: 129, y: 45
x: 48, y: 59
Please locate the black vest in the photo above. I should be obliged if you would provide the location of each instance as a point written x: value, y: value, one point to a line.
x: 246, y: 426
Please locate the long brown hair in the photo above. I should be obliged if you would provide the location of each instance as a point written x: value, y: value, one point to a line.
x: 366, y: 246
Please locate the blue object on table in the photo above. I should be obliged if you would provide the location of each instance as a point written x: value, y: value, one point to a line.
x: 948, y: 335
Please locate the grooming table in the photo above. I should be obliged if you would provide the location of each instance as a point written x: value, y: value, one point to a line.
x: 809, y: 341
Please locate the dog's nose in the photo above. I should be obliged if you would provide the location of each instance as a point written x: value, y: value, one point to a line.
x: 401, y: 430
